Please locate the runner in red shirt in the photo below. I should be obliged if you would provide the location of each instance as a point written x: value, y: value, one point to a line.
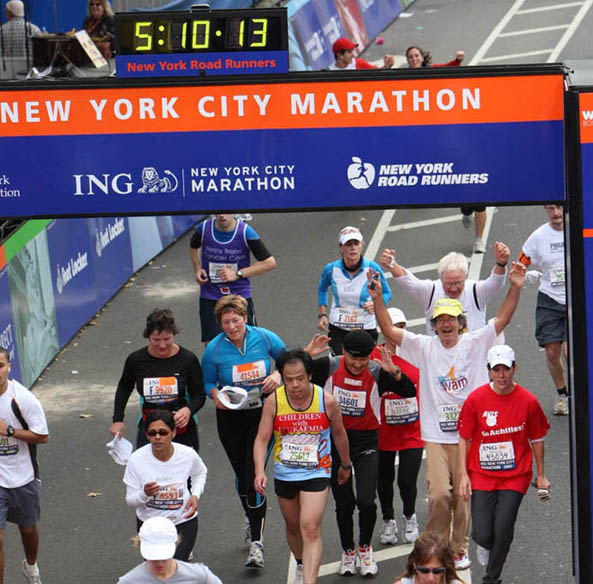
x: 500, y: 424
x: 399, y: 432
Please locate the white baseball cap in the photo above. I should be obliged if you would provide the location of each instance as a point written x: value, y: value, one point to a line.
x: 348, y: 234
x: 501, y: 355
x: 158, y: 539
x: 397, y: 316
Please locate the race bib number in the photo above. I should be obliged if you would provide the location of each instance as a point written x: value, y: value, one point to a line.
x: 557, y: 276
x: 401, y: 411
x: 215, y: 271
x: 249, y: 374
x: 300, y: 450
x: 497, y: 456
x: 448, y: 416
x: 169, y: 497
x: 160, y: 390
x: 8, y: 446
x: 348, y: 318
x: 352, y: 403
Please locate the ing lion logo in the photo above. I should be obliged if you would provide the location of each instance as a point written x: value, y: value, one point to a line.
x: 153, y: 183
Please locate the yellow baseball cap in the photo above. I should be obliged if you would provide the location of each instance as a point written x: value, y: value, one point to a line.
x: 447, y: 306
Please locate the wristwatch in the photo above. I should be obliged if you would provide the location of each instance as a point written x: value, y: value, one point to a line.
x: 239, y: 273
x: 9, y: 431
x: 346, y: 467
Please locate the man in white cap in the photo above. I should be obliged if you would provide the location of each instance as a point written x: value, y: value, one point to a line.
x: 158, y: 540
x: 13, y: 38
x: 451, y: 366
x: 343, y: 49
x: 500, y: 424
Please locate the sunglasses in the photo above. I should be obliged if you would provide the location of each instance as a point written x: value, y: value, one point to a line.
x: 437, y: 571
x: 95, y: 4
x: 153, y: 433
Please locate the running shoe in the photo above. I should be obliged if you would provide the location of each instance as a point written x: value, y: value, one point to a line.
x: 255, y: 558
x: 388, y: 532
x: 348, y: 563
x: 31, y: 573
x: 561, y: 406
x: 411, y: 531
x: 245, y: 217
x: 462, y: 562
x: 466, y: 221
x: 298, y: 575
x: 368, y: 566
x: 479, y: 246
x: 483, y: 555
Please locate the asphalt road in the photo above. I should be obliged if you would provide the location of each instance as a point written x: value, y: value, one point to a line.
x: 88, y: 538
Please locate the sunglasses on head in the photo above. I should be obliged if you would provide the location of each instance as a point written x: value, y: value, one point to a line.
x: 153, y: 433
x: 95, y: 4
x: 437, y: 571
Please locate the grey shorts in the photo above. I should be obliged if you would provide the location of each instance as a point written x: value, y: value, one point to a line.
x: 550, y: 320
x: 20, y: 505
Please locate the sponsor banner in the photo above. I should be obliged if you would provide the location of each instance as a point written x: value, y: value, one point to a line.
x: 196, y: 64
x: 353, y: 22
x: 315, y: 25
x: 333, y: 104
x: 112, y: 257
x: 31, y: 300
x: 73, y: 274
x: 7, y: 330
x: 586, y: 117
x: 377, y: 14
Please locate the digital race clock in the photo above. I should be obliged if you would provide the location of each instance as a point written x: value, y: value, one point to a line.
x: 201, y: 41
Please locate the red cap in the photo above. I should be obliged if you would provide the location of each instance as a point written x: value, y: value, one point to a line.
x: 343, y: 44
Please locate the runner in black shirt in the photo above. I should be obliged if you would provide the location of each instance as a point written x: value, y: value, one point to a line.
x: 166, y: 376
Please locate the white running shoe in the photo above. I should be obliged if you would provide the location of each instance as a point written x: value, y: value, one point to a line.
x: 561, y: 406
x: 255, y: 558
x: 483, y: 555
x: 298, y: 575
x: 479, y: 246
x: 348, y: 563
x: 368, y: 566
x: 31, y: 573
x: 388, y: 532
x: 245, y: 217
x: 411, y: 531
x: 466, y: 221
x: 462, y: 562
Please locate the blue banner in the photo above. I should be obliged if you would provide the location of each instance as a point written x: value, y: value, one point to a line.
x: 378, y: 14
x: 71, y: 264
x: 7, y: 329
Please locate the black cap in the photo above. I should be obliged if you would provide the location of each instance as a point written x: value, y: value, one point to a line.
x: 358, y: 343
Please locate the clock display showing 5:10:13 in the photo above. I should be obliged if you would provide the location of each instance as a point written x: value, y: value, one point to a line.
x: 200, y: 34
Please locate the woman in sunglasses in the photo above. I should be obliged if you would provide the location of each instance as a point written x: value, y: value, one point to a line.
x: 430, y: 562
x: 157, y: 482
x: 100, y: 25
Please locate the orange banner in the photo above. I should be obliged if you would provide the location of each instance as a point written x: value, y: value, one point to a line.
x: 326, y: 104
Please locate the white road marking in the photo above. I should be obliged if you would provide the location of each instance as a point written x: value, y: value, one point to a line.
x: 375, y: 242
x: 516, y: 55
x: 475, y: 264
x: 571, y: 30
x: 533, y: 30
x: 562, y: 6
x: 424, y: 223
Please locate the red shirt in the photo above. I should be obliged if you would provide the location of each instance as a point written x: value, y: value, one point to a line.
x: 357, y: 396
x: 362, y: 64
x: 400, y: 425
x: 500, y: 428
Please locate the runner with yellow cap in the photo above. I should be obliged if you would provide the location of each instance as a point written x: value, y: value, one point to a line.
x: 451, y: 366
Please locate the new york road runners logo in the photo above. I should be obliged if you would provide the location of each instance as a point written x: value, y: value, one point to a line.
x: 361, y: 174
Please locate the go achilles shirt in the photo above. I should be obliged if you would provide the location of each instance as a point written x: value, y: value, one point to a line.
x: 500, y: 428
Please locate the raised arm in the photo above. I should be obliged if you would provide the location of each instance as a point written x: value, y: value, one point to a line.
x: 376, y: 293
x: 508, y: 307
